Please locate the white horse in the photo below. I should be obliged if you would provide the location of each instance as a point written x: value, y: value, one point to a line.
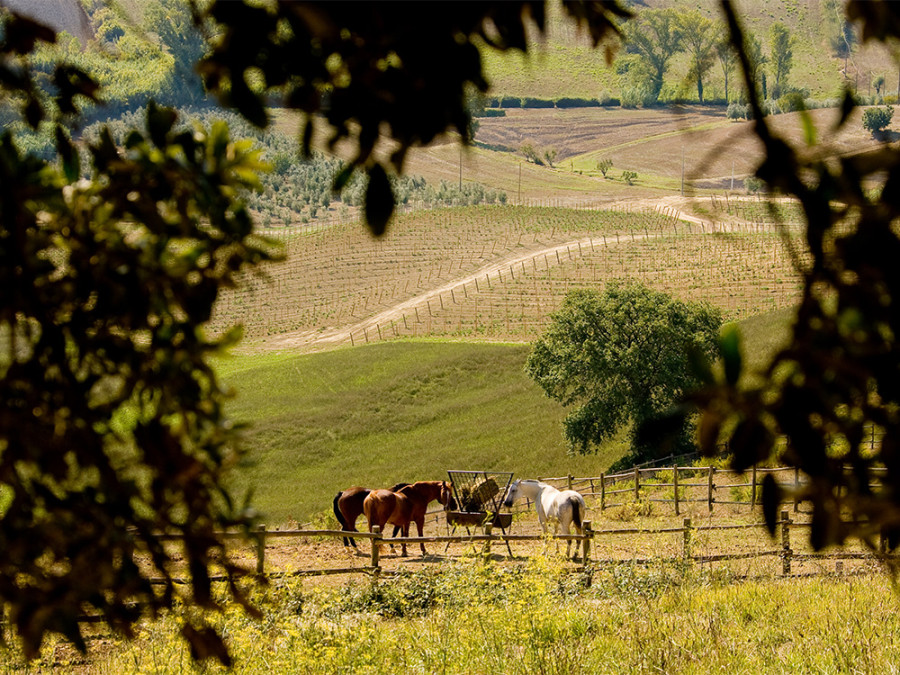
x: 561, y: 508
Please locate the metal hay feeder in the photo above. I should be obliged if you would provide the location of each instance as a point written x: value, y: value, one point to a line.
x: 479, y: 496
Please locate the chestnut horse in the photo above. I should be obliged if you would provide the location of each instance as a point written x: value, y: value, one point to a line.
x: 348, y: 507
x: 406, y: 505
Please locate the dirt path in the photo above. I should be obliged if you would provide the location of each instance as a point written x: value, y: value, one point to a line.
x: 320, y: 340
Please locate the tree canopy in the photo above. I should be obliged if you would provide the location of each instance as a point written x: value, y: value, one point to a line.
x: 623, y: 357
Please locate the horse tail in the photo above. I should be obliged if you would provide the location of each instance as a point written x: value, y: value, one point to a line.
x: 348, y: 541
x: 337, y: 511
x: 577, y: 514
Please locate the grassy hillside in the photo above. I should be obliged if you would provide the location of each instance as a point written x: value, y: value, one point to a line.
x: 405, y: 411
x: 381, y: 414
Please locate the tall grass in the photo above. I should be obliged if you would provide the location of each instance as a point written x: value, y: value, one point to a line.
x: 469, y: 617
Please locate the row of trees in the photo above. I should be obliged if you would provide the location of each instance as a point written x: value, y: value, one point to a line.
x: 655, y: 36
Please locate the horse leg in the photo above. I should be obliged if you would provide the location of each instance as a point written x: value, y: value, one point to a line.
x: 420, y: 524
x: 405, y: 530
x: 578, y: 530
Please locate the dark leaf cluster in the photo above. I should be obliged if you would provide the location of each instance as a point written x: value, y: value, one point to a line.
x: 837, y: 385
x: 112, y: 429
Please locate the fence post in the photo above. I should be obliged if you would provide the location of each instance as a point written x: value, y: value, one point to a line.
x: 753, y: 488
x: 711, y: 487
x: 637, y: 484
x: 260, y: 549
x: 686, y: 552
x: 569, y: 482
x: 487, y: 543
x: 602, y: 491
x: 675, y: 484
x: 376, y: 547
x: 588, y: 532
x: 796, y: 488
x: 785, y: 544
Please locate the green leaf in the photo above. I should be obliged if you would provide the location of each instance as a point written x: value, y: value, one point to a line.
x: 730, y: 348
x: 771, y: 500
x: 379, y: 204
x: 69, y: 155
x: 809, y: 128
x: 159, y: 123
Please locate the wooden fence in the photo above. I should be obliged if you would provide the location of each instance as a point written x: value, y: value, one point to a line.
x: 782, y: 549
x: 678, y: 485
x: 683, y: 485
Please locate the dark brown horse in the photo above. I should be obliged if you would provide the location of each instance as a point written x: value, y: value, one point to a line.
x: 348, y: 507
x: 406, y: 505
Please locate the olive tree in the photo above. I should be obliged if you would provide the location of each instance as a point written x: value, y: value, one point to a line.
x: 622, y: 358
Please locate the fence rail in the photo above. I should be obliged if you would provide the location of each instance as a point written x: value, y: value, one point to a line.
x: 586, y: 542
x: 680, y: 489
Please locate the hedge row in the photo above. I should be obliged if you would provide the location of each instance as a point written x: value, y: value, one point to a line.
x: 565, y: 102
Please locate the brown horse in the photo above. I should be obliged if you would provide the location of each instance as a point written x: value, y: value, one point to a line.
x: 348, y: 507
x: 406, y: 505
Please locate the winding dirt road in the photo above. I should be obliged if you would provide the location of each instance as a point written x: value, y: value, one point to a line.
x: 320, y: 340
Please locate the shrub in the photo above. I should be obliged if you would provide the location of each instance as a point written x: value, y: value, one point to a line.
x: 550, y: 156
x: 574, y: 102
x: 604, y: 165
x: 753, y: 184
x: 510, y: 102
x: 738, y: 111
x: 607, y: 99
x: 876, y: 120
x: 529, y: 102
x: 493, y: 112
x: 633, y: 97
x: 791, y: 102
x: 531, y: 154
x: 629, y: 177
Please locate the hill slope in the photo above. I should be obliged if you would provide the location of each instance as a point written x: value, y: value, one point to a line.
x: 381, y: 414
x: 406, y: 411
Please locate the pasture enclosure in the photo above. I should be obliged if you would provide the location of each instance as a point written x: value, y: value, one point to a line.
x: 499, y: 272
x: 715, y: 523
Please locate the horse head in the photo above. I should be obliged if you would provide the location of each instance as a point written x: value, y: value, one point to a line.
x: 511, y: 494
x: 446, y: 496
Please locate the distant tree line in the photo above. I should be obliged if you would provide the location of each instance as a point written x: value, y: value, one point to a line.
x: 656, y: 36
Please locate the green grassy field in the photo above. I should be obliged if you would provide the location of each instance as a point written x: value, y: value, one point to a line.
x: 470, y: 618
x: 404, y: 411
x: 381, y: 414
